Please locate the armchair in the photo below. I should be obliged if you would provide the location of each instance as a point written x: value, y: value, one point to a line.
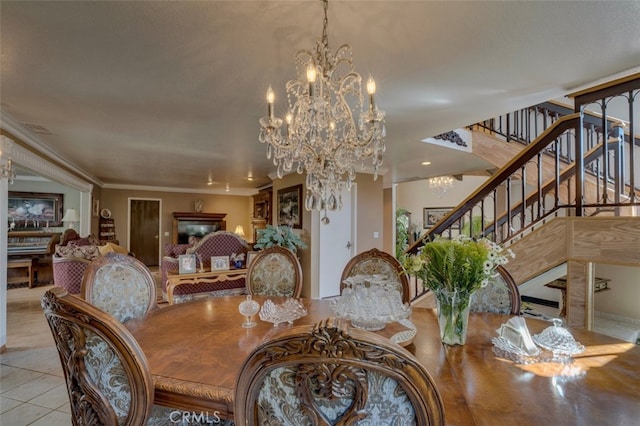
x: 68, y: 272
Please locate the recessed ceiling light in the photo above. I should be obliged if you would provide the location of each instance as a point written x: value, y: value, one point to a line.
x: 426, y: 163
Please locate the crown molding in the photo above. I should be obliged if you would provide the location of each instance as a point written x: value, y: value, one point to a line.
x: 232, y: 192
x: 23, y: 136
x: 33, y: 162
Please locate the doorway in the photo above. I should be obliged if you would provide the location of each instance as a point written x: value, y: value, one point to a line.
x: 144, y: 230
x: 336, y: 244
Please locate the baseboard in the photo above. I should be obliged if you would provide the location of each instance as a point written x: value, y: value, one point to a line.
x: 537, y: 301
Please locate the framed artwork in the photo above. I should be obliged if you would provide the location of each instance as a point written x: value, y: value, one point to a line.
x: 434, y: 215
x: 95, y: 208
x: 34, y: 209
x: 289, y: 206
x: 250, y: 256
x: 220, y: 263
x: 187, y: 263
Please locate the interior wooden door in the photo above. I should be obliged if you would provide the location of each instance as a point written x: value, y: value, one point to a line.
x: 144, y: 230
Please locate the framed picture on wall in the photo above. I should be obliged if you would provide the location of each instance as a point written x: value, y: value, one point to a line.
x: 289, y: 206
x: 34, y: 209
x: 95, y: 208
x: 434, y: 215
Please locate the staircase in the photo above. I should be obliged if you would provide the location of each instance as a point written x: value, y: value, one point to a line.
x: 566, y: 191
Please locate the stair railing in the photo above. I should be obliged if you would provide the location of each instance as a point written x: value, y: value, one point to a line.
x: 574, y: 166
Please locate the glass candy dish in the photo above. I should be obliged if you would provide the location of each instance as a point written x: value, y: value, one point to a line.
x: 559, y: 341
x: 370, y: 308
x: 289, y: 311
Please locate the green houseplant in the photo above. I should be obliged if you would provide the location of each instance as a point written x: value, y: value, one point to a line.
x: 454, y: 269
x: 282, y: 236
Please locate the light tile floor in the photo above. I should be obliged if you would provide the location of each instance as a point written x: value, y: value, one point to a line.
x: 32, y: 386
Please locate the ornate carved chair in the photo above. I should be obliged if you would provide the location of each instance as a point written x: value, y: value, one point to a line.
x: 275, y: 271
x: 107, y: 376
x: 500, y: 296
x: 376, y: 262
x: 329, y: 374
x: 120, y: 285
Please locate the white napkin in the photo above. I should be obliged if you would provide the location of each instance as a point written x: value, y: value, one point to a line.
x: 515, y: 331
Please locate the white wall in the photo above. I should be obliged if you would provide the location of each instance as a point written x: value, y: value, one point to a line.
x: 624, y: 296
x: 415, y: 196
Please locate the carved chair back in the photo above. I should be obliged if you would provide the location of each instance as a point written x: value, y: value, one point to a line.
x: 330, y: 374
x: 275, y: 271
x: 500, y: 296
x: 376, y: 262
x: 107, y: 377
x: 120, y: 285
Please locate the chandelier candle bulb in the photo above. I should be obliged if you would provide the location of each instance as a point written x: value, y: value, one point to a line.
x: 270, y: 99
x: 311, y: 78
x: 371, y: 90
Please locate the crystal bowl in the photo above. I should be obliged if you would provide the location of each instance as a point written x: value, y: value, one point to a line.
x: 370, y: 308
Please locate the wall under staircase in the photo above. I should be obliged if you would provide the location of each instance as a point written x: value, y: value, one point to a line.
x: 580, y: 242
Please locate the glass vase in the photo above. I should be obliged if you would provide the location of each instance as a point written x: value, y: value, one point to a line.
x: 453, y: 315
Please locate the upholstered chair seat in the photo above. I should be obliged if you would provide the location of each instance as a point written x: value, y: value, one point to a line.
x: 275, y: 271
x: 120, y: 285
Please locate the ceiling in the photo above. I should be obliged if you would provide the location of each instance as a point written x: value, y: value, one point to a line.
x: 169, y: 94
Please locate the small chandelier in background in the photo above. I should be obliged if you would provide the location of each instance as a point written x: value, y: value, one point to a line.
x: 7, y: 172
x: 322, y: 137
x: 440, y: 184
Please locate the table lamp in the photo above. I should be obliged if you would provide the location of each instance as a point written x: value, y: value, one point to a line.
x: 70, y: 216
x: 239, y: 231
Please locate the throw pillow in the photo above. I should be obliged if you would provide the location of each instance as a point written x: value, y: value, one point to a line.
x: 110, y: 247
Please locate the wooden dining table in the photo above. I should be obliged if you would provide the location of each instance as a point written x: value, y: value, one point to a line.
x: 195, y: 351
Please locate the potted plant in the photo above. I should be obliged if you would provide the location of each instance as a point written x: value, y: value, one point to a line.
x: 454, y: 269
x: 282, y: 236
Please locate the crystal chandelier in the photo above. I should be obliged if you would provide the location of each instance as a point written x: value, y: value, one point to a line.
x: 321, y: 135
x: 440, y: 184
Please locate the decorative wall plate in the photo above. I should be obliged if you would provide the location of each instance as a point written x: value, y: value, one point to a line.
x: 105, y: 214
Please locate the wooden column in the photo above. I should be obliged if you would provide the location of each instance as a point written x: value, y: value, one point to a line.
x: 580, y: 281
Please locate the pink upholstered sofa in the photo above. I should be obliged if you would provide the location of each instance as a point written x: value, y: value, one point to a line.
x: 220, y: 243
